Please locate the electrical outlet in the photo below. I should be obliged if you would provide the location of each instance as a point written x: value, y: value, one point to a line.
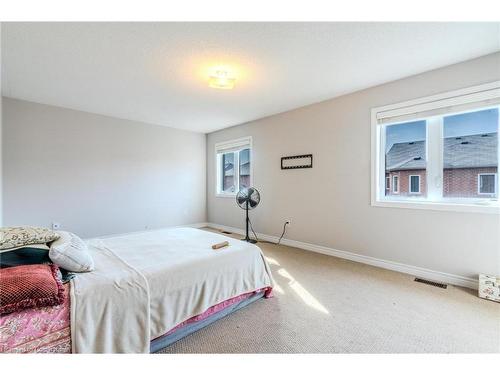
x: 289, y: 222
x: 56, y: 226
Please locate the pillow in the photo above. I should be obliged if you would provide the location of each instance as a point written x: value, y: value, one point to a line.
x: 70, y: 253
x: 30, y: 286
x: 14, y: 237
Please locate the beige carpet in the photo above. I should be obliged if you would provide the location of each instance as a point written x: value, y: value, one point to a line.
x: 324, y: 304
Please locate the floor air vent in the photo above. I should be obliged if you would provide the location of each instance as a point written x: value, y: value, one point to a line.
x: 433, y: 283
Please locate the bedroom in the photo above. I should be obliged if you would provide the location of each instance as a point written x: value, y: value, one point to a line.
x: 137, y: 155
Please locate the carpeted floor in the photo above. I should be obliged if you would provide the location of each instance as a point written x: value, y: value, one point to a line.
x: 324, y: 304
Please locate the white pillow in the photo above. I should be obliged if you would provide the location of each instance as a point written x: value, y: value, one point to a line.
x: 71, y: 253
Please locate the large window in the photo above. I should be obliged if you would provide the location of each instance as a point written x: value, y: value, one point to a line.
x: 440, y: 152
x: 233, y: 161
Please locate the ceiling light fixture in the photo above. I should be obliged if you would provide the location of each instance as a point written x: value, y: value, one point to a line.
x: 221, y: 79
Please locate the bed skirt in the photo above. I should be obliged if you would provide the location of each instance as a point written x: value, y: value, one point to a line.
x: 168, y: 339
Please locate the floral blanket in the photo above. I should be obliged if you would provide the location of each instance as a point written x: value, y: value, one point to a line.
x: 37, y: 330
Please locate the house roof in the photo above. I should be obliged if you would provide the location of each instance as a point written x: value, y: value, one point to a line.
x: 244, y: 169
x: 407, y: 155
x: 470, y: 151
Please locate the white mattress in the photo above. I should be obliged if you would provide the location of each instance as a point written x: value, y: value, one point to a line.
x: 145, y: 284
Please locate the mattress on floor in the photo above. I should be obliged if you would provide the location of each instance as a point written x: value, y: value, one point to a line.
x: 47, y: 329
x: 152, y: 281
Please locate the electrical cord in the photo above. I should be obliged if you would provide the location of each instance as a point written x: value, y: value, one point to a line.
x: 263, y: 241
x: 251, y: 227
x: 283, y: 233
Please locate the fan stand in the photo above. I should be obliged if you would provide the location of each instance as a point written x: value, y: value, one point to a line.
x: 247, y: 237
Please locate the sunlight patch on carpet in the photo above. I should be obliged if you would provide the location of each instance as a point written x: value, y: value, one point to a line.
x: 307, y: 297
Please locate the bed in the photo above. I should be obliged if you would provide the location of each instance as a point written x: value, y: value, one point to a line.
x: 147, y: 291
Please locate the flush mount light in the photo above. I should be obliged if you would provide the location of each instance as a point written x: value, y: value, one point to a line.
x: 221, y: 79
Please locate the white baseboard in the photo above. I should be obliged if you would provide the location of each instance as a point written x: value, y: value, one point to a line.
x: 424, y: 273
x: 196, y: 225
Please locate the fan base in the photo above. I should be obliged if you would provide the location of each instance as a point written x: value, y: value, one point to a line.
x: 249, y: 240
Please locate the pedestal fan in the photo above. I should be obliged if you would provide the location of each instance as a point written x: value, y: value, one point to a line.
x: 248, y: 199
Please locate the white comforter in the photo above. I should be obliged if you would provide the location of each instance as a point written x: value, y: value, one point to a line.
x: 145, y: 284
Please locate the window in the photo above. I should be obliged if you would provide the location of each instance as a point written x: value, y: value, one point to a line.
x: 387, y: 183
x: 439, y: 152
x: 414, y: 184
x: 228, y: 182
x: 405, y: 146
x: 244, y: 174
x: 234, y: 168
x: 470, y: 148
x: 487, y: 183
x: 395, y: 184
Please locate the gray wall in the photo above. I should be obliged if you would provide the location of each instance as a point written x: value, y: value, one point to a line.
x: 98, y: 175
x: 329, y: 204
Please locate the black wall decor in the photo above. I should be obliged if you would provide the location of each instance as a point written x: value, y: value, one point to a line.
x: 297, y: 161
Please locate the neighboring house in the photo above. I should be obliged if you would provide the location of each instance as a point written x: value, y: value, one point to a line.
x: 229, y: 176
x: 470, y: 165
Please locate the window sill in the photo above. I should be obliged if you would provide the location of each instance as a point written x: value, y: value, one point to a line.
x: 225, y: 195
x: 486, y: 208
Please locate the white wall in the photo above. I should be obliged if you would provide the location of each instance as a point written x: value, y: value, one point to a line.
x: 98, y: 175
x: 329, y: 205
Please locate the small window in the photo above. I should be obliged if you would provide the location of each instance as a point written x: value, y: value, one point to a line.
x: 395, y: 184
x: 387, y: 183
x: 233, y: 161
x: 487, y: 183
x: 414, y: 184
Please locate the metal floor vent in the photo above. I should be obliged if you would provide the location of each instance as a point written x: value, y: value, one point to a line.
x: 433, y: 283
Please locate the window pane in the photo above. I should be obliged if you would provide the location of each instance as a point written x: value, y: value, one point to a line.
x: 405, y: 156
x: 414, y: 184
x: 470, y: 148
x: 395, y: 184
x: 228, y: 182
x: 487, y: 183
x: 244, y: 168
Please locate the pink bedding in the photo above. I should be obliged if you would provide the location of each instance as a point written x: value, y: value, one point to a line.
x: 47, y: 329
x: 37, y: 330
x: 219, y: 307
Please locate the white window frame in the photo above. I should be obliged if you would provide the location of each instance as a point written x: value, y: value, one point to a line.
x: 495, y: 184
x: 388, y: 183
x: 235, y: 146
x: 395, y: 186
x: 419, y: 184
x: 489, y: 92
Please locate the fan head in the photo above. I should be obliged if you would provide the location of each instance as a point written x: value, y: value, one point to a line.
x: 250, y: 195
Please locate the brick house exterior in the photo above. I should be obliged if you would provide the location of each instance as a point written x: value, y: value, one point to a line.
x: 465, y: 159
x: 228, y: 177
x: 404, y: 182
x: 463, y: 182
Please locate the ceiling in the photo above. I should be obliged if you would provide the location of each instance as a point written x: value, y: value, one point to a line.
x: 157, y: 72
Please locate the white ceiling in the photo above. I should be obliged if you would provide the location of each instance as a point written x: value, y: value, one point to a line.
x: 157, y: 72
